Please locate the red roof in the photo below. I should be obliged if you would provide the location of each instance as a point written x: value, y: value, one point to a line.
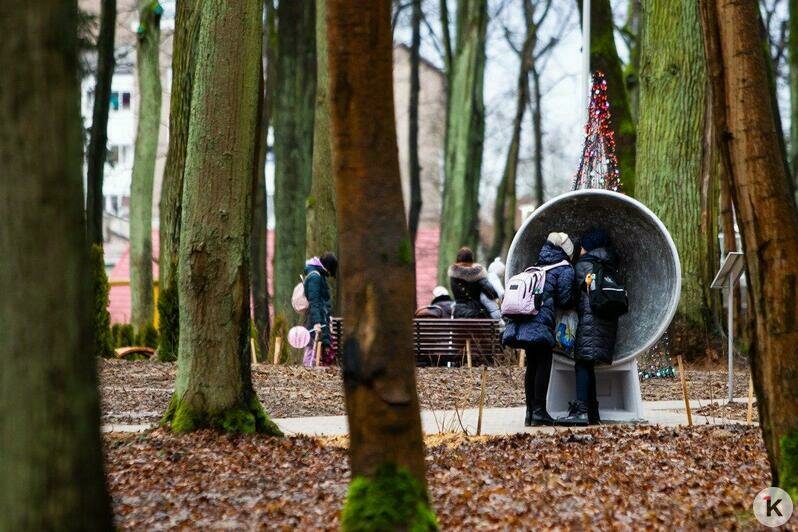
x: 426, y: 272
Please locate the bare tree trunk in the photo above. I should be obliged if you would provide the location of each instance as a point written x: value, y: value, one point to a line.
x: 465, y: 129
x: 214, y: 385
x: 634, y: 31
x: 504, y: 209
x: 293, y: 147
x: 792, y: 58
x: 260, y: 229
x: 149, y: 124
x: 386, y: 445
x: 98, y: 139
x: 672, y: 177
x: 322, y: 232
x: 769, y: 224
x: 412, y: 119
x: 183, y: 61
x: 51, y: 468
x: 537, y: 130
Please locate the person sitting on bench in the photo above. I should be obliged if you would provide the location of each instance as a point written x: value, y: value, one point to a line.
x: 469, y: 280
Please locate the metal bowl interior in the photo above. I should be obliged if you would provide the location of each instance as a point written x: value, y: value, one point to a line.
x: 649, y: 262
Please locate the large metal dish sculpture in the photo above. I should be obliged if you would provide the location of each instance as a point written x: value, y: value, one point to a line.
x: 649, y: 265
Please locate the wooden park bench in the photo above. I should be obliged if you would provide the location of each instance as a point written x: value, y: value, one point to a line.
x: 440, y: 341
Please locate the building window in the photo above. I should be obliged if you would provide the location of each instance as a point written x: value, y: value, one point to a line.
x: 114, y: 101
x: 113, y: 156
x: 125, y: 100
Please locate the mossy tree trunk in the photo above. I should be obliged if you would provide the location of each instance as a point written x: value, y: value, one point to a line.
x: 214, y: 385
x: 388, y: 489
x: 322, y: 233
x: 260, y: 228
x: 51, y: 464
x: 768, y: 221
x: 416, y: 200
x: 183, y: 58
x: 295, y: 95
x: 145, y: 152
x: 504, y: 207
x: 604, y: 57
x: 98, y: 137
x: 465, y: 130
x: 633, y: 32
x: 671, y: 177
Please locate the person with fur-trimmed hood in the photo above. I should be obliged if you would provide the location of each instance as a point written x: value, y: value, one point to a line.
x: 469, y: 280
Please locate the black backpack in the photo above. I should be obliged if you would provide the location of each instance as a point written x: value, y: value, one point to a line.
x: 607, y: 296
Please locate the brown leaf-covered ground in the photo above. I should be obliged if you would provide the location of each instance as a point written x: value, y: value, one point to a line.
x: 610, y: 477
x: 138, y: 392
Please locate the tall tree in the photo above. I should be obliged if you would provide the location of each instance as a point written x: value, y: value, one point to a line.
x: 504, y: 208
x: 412, y: 120
x: 322, y: 234
x: 792, y: 58
x: 145, y: 152
x: 604, y: 57
x: 632, y: 33
x: 98, y: 138
x: 260, y: 227
x: 183, y: 58
x: 214, y: 385
x: 388, y: 489
x: 51, y: 469
x: 293, y: 146
x: 768, y: 222
x: 670, y: 151
x: 465, y: 130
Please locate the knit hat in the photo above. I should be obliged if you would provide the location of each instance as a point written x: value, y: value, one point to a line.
x: 562, y: 241
x: 439, y: 291
x: 595, y: 238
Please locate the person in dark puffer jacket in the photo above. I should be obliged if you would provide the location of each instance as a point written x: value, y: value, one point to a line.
x: 595, y: 336
x: 317, y: 292
x: 536, y: 334
x: 468, y: 280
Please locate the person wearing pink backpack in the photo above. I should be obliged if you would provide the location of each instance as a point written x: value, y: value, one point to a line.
x: 534, y: 331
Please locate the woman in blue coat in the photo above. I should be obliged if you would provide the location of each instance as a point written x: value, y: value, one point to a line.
x: 536, y: 334
x: 317, y: 292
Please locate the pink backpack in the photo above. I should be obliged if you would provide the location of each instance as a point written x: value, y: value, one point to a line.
x: 524, y: 293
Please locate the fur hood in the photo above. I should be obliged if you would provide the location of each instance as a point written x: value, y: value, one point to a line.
x: 467, y: 272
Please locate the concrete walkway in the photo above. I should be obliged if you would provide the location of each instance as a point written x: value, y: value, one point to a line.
x: 495, y: 421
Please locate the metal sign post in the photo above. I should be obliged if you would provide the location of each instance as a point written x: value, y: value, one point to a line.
x: 730, y: 271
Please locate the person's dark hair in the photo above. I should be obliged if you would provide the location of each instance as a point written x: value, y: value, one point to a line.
x: 330, y: 263
x: 465, y: 255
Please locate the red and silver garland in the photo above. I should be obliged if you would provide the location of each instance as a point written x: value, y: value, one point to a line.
x: 599, y: 165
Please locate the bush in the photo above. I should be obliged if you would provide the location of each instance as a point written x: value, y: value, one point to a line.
x: 147, y: 336
x: 122, y: 334
x: 102, y: 319
x: 168, y: 324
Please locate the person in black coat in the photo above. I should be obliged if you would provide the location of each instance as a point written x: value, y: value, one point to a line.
x: 595, y: 336
x: 468, y: 280
x: 536, y: 334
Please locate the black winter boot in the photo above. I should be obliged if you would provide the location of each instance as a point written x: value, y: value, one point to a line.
x: 577, y: 415
x: 528, y: 417
x: 541, y: 417
x: 593, y: 413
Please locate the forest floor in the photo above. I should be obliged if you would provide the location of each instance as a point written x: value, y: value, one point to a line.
x: 138, y: 392
x: 609, y: 477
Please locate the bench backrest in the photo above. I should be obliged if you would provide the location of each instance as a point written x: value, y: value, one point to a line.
x: 447, y: 338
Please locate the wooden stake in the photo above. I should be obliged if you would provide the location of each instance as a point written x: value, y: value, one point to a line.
x: 468, y: 353
x: 684, y: 392
x: 318, y: 353
x: 481, y: 399
x: 750, y: 416
x: 278, y: 344
x: 521, y: 358
x: 252, y: 349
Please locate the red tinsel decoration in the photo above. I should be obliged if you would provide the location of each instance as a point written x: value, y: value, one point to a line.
x: 599, y: 165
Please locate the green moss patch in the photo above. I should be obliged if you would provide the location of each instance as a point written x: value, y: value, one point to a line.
x: 391, y: 500
x: 248, y: 419
x: 788, y: 469
x: 168, y: 323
